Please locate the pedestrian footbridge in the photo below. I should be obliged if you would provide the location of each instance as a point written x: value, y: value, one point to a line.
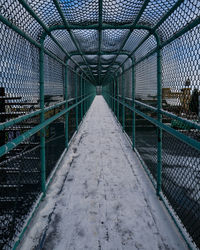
x: 99, y: 124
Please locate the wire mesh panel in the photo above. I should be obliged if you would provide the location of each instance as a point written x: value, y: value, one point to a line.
x: 19, y: 73
x: 100, y: 40
x: 181, y: 182
x: 146, y: 81
x: 111, y: 39
x: 146, y: 143
x: 53, y: 81
x: 82, y: 12
x: 54, y: 143
x: 155, y: 10
x: 181, y: 78
x: 119, y: 11
x: 184, y: 14
x: 46, y: 11
x: 135, y: 39
x: 20, y: 17
x: 87, y: 39
x: 19, y: 187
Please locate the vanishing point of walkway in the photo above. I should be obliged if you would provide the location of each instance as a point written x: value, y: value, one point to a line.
x: 101, y: 198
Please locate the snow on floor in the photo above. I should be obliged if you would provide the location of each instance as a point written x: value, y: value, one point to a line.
x: 101, y: 198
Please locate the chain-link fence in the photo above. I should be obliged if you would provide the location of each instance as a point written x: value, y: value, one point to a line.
x: 159, y: 99
x: 145, y: 54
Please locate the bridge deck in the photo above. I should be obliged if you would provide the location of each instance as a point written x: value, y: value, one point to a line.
x: 101, y: 198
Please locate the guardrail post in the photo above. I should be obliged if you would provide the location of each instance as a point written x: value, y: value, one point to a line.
x: 66, y: 106
x: 118, y: 98
x: 81, y: 97
x: 123, y: 100
x: 84, y: 96
x: 76, y: 96
x: 42, y: 119
x: 114, y: 93
x: 159, y: 106
x: 133, y: 104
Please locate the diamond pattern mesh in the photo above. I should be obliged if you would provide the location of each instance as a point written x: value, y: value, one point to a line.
x: 82, y: 12
x: 179, y: 32
x: 120, y: 12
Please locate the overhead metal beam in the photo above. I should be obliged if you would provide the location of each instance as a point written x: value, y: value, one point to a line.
x: 100, y: 38
x: 70, y: 32
x: 133, y: 25
x: 153, y: 30
x: 46, y: 29
x: 102, y: 53
x: 181, y: 32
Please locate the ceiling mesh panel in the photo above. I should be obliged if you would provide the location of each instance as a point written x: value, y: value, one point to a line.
x: 64, y: 39
x: 112, y: 39
x: 155, y: 10
x: 80, y: 12
x: 88, y: 39
x: 185, y: 13
x: 134, y: 39
x: 101, y: 39
x: 14, y: 12
x: 46, y: 11
x: 120, y: 11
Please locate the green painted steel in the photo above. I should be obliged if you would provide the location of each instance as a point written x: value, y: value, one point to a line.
x: 114, y: 94
x: 153, y: 30
x: 133, y: 25
x: 192, y: 142
x: 81, y: 87
x: 42, y: 119
x: 133, y: 103
x: 15, y: 142
x: 71, y: 34
x: 60, y: 53
x: 100, y: 40
x: 159, y: 116
x: 66, y: 107
x: 118, y: 98
x: 76, y: 94
x: 123, y: 98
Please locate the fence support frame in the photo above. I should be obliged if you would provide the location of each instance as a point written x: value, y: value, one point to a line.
x: 66, y: 105
x: 42, y: 119
x: 159, y: 116
x: 133, y: 103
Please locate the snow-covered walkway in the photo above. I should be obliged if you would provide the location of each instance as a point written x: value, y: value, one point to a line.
x: 101, y: 198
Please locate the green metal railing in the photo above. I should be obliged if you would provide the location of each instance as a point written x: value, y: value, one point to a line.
x: 112, y: 94
x: 146, y: 58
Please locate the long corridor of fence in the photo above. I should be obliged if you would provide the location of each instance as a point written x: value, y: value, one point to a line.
x: 142, y: 56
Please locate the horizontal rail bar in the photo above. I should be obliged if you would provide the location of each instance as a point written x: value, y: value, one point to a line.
x: 191, y: 142
x: 164, y: 112
x: 10, y: 145
x: 30, y: 115
x: 25, y: 117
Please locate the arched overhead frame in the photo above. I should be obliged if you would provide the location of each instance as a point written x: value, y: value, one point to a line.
x: 120, y: 60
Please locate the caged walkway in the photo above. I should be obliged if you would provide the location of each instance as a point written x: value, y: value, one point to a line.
x: 143, y: 57
x: 100, y: 199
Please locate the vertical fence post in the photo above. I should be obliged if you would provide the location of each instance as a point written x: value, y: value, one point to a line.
x: 76, y: 98
x: 159, y: 106
x: 109, y: 94
x: 42, y: 119
x: 66, y: 106
x: 133, y: 103
x: 118, y: 98
x: 2, y: 119
x: 123, y: 100
x: 114, y: 85
x: 84, y: 109
x: 86, y: 101
x: 81, y: 97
